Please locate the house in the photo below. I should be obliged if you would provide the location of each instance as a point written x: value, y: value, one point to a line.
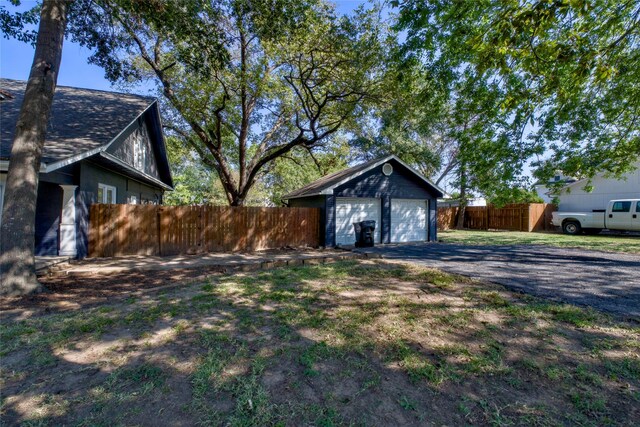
x: 450, y: 203
x: 585, y: 196
x: 543, y: 189
x: 100, y: 147
x: 401, y: 201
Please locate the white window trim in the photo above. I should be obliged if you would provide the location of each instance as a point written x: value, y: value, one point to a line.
x: 104, y: 188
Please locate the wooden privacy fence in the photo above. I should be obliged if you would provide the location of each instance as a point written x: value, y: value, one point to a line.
x: 447, y: 217
x: 116, y: 230
x: 516, y: 217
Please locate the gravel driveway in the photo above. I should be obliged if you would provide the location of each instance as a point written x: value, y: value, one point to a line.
x: 606, y: 281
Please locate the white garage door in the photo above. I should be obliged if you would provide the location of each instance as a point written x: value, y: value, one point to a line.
x: 353, y: 210
x: 408, y: 220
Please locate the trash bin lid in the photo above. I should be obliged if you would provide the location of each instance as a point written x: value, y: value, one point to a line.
x: 368, y: 223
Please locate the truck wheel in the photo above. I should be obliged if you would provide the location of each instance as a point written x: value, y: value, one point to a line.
x: 571, y: 227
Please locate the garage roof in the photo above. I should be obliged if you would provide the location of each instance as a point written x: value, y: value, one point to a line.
x: 328, y: 183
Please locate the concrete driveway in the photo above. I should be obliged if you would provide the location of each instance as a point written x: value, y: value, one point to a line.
x: 606, y: 281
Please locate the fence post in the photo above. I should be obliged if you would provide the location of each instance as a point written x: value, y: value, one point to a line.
x: 488, y: 216
x: 159, y: 226
x: 520, y: 215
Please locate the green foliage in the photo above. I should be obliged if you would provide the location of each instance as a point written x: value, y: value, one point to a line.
x: 245, y: 82
x: 15, y: 25
x: 515, y: 195
x: 193, y: 184
x: 300, y: 167
x: 566, y: 72
x: 449, y: 124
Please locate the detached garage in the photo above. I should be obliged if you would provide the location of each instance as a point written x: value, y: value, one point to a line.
x: 402, y: 202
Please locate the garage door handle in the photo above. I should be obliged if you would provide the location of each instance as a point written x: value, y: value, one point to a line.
x: 610, y: 215
x: 635, y: 216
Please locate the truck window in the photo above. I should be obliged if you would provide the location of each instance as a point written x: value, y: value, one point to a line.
x: 638, y: 207
x: 621, y: 207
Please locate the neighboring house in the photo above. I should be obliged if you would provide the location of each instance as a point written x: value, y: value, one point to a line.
x: 100, y: 147
x: 450, y: 203
x: 401, y: 201
x: 573, y: 197
x: 543, y: 190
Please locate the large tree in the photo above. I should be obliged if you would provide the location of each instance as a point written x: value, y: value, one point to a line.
x: 245, y: 81
x: 449, y: 124
x: 17, y: 264
x: 569, y: 68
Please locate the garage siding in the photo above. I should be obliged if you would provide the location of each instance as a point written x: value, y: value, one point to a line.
x: 374, y: 183
x: 401, y: 184
x: 330, y: 226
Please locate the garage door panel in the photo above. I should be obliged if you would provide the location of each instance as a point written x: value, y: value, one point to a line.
x: 350, y: 210
x: 408, y: 220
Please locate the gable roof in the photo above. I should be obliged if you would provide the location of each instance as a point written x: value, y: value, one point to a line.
x: 575, y: 182
x: 328, y: 183
x: 83, y: 123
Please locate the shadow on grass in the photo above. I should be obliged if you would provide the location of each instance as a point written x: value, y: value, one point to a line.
x: 345, y: 343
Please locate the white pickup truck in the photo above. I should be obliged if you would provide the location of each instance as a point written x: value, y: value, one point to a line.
x: 619, y: 215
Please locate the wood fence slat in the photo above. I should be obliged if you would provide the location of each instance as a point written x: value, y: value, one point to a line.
x: 116, y: 230
x: 516, y: 217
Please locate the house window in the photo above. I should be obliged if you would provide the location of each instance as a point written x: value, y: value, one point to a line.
x: 133, y: 200
x: 106, y: 194
x: 621, y: 207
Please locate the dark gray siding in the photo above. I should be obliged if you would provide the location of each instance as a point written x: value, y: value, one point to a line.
x: 143, y: 193
x: 401, y: 184
x: 68, y: 175
x: 330, y: 226
x: 125, y: 147
x: 90, y: 176
x: 385, y: 231
x: 48, y: 210
x: 314, y: 202
x: 433, y: 220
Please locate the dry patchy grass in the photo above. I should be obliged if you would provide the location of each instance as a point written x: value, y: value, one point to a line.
x: 356, y: 343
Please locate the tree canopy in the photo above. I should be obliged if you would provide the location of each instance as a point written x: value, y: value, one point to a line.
x: 245, y: 81
x: 474, y: 92
x: 570, y: 69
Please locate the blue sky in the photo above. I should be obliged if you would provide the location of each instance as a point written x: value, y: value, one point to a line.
x: 16, y: 57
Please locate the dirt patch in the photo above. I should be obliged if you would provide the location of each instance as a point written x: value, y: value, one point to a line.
x: 63, y: 292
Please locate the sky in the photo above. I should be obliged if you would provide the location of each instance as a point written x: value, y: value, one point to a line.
x: 16, y: 57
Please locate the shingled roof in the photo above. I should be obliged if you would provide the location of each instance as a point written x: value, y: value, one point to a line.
x: 326, y: 184
x: 81, y: 119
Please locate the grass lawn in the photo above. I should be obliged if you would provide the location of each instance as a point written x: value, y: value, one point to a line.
x: 350, y: 343
x: 630, y: 244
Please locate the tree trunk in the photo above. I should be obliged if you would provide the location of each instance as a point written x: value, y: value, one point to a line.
x: 17, y: 262
x: 463, y: 197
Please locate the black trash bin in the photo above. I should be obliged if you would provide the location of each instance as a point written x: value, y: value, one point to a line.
x: 364, y: 233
